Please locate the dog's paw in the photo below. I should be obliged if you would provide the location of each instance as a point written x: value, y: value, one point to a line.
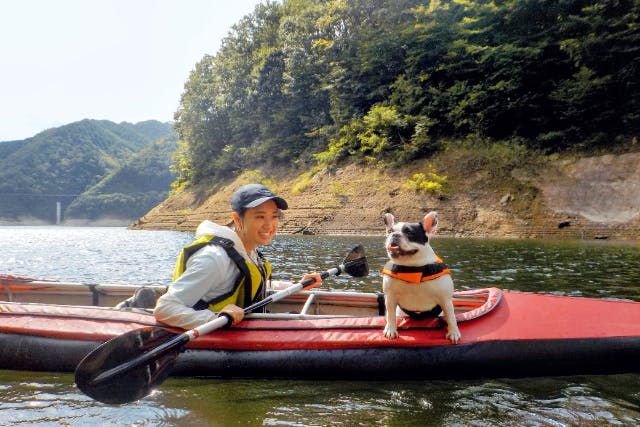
x: 390, y: 332
x: 454, y: 335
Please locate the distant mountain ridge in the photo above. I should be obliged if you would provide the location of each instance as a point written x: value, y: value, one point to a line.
x: 94, y: 168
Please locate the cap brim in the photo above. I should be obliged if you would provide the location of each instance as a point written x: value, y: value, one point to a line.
x: 280, y: 202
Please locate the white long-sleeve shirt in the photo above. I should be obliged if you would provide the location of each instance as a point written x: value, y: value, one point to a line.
x: 209, y: 273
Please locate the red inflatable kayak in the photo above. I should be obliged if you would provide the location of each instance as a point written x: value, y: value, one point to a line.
x: 322, y: 334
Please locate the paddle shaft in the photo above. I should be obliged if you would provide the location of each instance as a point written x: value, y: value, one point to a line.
x: 212, y: 326
x: 176, y: 343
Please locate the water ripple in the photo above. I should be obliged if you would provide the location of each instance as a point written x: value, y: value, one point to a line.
x: 117, y: 255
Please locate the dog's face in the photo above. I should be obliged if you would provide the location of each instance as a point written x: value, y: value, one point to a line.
x: 409, y: 240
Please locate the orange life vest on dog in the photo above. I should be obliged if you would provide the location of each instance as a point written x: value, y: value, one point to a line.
x: 416, y: 275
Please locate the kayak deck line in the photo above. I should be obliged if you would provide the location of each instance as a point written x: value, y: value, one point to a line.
x: 49, y: 319
x: 59, y: 311
x: 26, y: 289
x: 313, y: 302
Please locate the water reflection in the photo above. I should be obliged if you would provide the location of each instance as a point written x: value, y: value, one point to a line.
x: 595, y: 269
x: 544, y: 401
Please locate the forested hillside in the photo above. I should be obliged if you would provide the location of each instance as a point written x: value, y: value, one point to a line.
x: 313, y: 83
x: 132, y: 189
x: 60, y: 164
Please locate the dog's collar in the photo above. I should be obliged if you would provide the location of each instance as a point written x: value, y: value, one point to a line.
x: 416, y: 274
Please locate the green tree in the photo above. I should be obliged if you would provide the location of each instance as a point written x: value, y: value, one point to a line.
x: 336, y: 80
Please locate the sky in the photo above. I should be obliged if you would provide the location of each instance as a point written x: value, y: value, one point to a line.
x: 62, y: 61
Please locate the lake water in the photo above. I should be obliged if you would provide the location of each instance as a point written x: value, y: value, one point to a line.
x: 116, y: 255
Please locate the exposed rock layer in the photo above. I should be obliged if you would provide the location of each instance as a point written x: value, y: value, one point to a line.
x: 590, y: 198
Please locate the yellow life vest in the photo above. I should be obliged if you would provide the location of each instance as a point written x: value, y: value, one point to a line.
x: 248, y: 287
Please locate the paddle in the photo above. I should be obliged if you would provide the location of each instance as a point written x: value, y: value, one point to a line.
x: 126, y: 368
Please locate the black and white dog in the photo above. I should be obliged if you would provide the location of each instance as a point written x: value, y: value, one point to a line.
x: 416, y: 283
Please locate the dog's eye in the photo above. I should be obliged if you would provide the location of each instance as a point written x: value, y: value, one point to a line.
x: 415, y: 233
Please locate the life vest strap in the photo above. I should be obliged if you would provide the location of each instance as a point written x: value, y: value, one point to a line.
x: 243, y: 277
x: 416, y: 274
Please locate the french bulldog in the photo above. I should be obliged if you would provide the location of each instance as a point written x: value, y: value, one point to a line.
x: 416, y: 283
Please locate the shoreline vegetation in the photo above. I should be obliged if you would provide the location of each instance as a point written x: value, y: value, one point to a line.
x: 476, y: 195
x: 474, y: 192
x: 511, y: 119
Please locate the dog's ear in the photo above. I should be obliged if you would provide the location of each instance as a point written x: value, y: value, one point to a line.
x: 389, y: 220
x: 430, y: 223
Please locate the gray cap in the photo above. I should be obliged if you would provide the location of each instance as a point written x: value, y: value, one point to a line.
x: 252, y: 195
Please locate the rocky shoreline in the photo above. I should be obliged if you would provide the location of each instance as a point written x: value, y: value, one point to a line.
x: 589, y: 198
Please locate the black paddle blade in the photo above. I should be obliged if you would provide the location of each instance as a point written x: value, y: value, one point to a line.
x: 355, y: 263
x: 132, y: 383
